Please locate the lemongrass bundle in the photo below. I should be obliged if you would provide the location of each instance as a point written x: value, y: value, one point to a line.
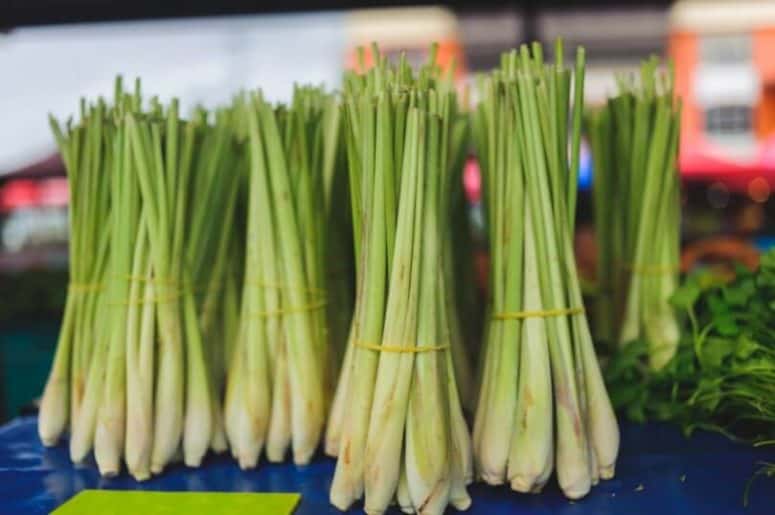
x: 542, y: 404
x: 455, y: 247
x: 142, y: 389
x: 397, y: 425
x: 162, y: 150
x: 636, y: 193
x: 278, y: 385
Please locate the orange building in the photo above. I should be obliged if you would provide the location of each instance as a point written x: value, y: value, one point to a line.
x: 409, y: 30
x: 724, y: 54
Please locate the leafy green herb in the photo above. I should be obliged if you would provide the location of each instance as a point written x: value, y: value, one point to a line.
x: 722, y: 376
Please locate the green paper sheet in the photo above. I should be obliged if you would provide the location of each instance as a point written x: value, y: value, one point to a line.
x: 134, y: 502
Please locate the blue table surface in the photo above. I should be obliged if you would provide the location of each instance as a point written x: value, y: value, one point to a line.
x: 659, y: 472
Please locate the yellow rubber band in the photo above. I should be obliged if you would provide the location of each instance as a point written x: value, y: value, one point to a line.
x: 400, y: 348
x: 200, y: 289
x: 84, y: 287
x: 543, y: 313
x: 155, y: 300
x: 172, y: 296
x: 285, y: 311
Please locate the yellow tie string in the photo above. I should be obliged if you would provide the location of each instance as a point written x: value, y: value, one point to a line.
x: 400, y: 348
x: 542, y: 313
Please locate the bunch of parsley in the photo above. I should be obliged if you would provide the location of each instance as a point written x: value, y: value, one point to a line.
x: 722, y: 377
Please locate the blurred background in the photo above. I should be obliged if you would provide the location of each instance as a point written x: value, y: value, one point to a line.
x: 54, y: 52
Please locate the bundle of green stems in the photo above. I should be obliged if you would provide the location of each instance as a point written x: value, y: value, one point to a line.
x: 137, y: 369
x: 542, y: 404
x: 279, y: 381
x: 637, y: 212
x: 212, y: 265
x: 397, y: 424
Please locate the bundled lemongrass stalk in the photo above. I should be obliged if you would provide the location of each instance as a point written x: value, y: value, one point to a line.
x: 213, y: 253
x: 457, y: 251
x: 145, y: 390
x: 542, y: 404
x: 87, y: 149
x: 635, y: 144
x: 278, y: 380
x: 397, y: 425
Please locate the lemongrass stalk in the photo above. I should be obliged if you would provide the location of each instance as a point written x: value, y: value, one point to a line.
x: 532, y: 444
x: 599, y: 130
x: 173, y: 171
x: 403, y: 499
x: 84, y: 425
x: 461, y: 459
x: 95, y: 158
x: 249, y: 384
x: 139, y: 364
x: 505, y: 336
x: 92, y: 329
x: 632, y: 324
x: 86, y: 152
x: 251, y: 417
x: 306, y: 378
x: 198, y: 420
x: 599, y: 419
x: 234, y: 392
x: 82, y: 428
x: 571, y: 445
x: 336, y: 416
x: 303, y: 143
x: 127, y: 230
x: 274, y: 290
x: 661, y: 324
x: 368, y: 174
x: 55, y: 402
x: 279, y: 433
x: 169, y: 413
x: 146, y: 362
x: 394, y: 375
x: 429, y: 452
x: 347, y: 485
x: 602, y: 427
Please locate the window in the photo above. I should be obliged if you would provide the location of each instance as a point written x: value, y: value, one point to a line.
x: 728, y: 49
x: 728, y: 120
